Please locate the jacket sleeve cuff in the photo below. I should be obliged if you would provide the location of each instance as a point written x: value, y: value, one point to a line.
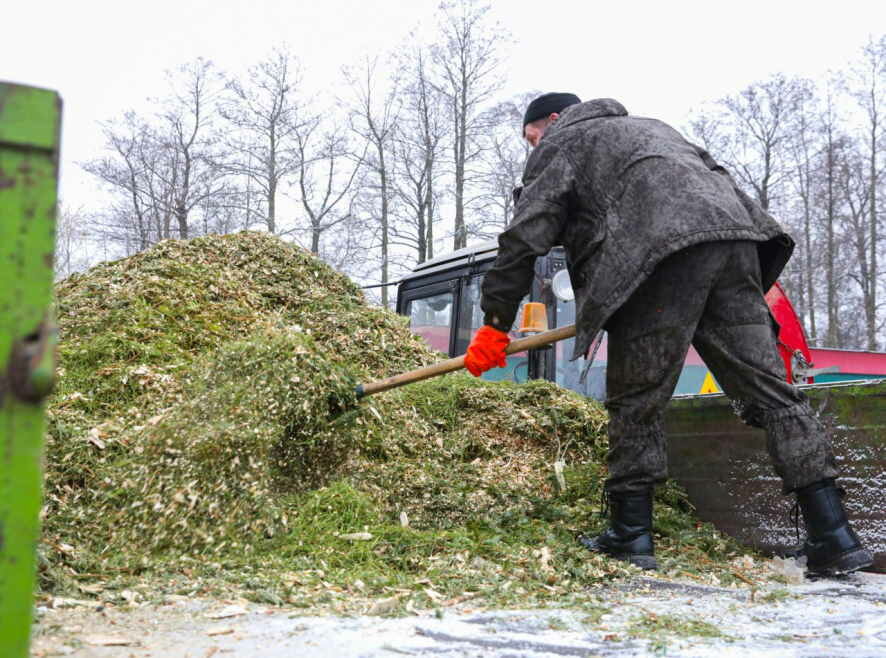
x: 501, y: 321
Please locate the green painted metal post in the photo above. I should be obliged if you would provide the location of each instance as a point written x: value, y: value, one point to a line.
x: 29, y: 141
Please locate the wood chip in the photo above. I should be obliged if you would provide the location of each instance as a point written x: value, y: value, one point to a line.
x: 130, y: 596
x: 94, y: 439
x: 230, y: 611
x: 383, y: 606
x: 220, y: 630
x: 60, y: 602
x: 558, y: 473
x: 544, y: 556
x: 107, y: 640
x: 433, y: 595
x: 459, y: 599
x: 95, y: 588
x: 357, y: 536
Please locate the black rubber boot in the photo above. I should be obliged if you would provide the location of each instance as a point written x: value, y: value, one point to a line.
x: 832, y: 548
x: 629, y: 535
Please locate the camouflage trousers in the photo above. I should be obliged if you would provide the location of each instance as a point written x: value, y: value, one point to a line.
x: 708, y: 295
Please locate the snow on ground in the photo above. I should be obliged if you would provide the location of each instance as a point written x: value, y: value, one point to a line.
x: 648, y: 616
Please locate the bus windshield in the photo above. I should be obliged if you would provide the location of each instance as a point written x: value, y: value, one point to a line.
x: 431, y: 318
x: 471, y: 319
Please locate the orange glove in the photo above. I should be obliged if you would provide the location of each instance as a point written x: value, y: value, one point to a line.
x: 487, y: 350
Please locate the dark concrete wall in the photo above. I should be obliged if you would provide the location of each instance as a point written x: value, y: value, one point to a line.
x: 724, y: 466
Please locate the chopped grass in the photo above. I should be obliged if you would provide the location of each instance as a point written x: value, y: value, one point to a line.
x: 661, y: 629
x: 200, y: 442
x: 775, y: 596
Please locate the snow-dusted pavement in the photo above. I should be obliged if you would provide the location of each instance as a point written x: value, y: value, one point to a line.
x: 845, y: 617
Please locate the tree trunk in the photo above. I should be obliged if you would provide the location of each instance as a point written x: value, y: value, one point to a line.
x: 420, y: 231
x: 429, y: 241
x: 461, y: 236
x: 871, y: 302
x: 181, y: 216
x: 272, y: 205
x: 272, y: 182
x: 383, y: 174
x: 315, y: 238
x: 833, y: 332
x: 809, y: 282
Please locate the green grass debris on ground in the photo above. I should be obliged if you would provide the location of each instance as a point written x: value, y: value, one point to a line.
x: 193, y: 449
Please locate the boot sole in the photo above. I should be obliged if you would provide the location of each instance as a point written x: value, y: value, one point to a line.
x: 854, y: 560
x: 647, y: 562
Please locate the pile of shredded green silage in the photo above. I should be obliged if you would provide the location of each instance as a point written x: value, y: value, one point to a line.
x: 199, y: 443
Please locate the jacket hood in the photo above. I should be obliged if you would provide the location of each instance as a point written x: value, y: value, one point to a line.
x: 594, y: 109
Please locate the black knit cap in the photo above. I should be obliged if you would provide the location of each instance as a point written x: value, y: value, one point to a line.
x: 547, y: 104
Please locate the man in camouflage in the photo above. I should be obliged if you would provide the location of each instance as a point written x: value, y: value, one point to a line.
x: 664, y: 251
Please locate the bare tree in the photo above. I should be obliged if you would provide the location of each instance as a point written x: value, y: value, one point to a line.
x: 852, y: 181
x: 749, y: 132
x: 773, y: 133
x: 73, y: 241
x: 501, y: 165
x: 373, y: 116
x: 263, y: 109
x: 161, y: 169
x: 223, y: 213
x: 110, y: 230
x: 132, y: 168
x: 349, y: 245
x: 467, y: 58
x: 418, y: 140
x: 189, y: 139
x: 804, y: 145
x: 867, y: 85
x: 325, y: 175
x: 829, y: 199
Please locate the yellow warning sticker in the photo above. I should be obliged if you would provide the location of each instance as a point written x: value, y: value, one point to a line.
x: 709, y: 385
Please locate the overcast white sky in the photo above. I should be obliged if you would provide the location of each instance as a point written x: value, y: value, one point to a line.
x: 658, y: 58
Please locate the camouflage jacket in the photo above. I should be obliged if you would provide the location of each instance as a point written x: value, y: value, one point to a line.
x: 619, y: 193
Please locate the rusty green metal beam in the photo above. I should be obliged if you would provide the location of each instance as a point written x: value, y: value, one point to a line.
x: 29, y: 141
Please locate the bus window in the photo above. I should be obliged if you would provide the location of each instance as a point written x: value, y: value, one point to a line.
x: 470, y: 314
x: 471, y: 318
x: 569, y: 373
x: 431, y: 318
